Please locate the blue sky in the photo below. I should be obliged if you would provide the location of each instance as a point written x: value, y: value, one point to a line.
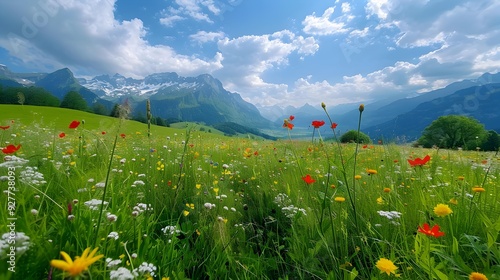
x: 271, y: 52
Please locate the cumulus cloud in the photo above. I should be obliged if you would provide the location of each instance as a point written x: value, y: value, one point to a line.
x: 325, y: 25
x: 84, y: 35
x: 200, y: 10
x: 247, y: 58
x: 203, y: 36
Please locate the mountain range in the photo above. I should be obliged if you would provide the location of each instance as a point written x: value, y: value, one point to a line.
x: 204, y: 99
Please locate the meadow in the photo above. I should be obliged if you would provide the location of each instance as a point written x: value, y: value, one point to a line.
x: 105, y: 198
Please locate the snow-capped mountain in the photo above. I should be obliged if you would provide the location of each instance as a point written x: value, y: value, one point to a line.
x: 117, y: 86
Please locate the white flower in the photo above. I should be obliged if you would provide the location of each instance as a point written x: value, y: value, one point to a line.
x: 209, y: 205
x: 34, y: 212
x: 390, y: 214
x: 146, y: 268
x: 111, y: 217
x: 122, y: 274
x: 113, y: 263
x: 113, y: 235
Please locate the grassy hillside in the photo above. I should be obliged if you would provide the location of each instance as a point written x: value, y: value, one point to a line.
x: 59, y: 119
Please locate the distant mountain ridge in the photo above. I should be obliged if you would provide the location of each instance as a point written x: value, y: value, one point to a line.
x: 480, y: 102
x: 196, y: 99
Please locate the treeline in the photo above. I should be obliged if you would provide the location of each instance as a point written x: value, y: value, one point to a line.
x: 38, y: 96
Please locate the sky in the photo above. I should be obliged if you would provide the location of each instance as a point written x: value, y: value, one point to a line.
x: 271, y: 52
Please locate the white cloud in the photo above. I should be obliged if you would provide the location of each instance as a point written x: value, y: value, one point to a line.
x: 85, y: 36
x: 200, y: 10
x: 247, y: 58
x: 203, y: 36
x: 324, y: 25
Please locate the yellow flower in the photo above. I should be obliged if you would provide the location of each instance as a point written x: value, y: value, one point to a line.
x: 386, y: 266
x: 371, y: 171
x: 79, y: 265
x: 357, y: 177
x: 216, y: 191
x: 453, y: 201
x: 478, y: 189
x: 387, y: 190
x: 185, y: 213
x: 461, y: 178
x: 442, y: 210
x: 198, y: 186
x: 340, y: 199
x: 477, y: 276
x: 380, y: 200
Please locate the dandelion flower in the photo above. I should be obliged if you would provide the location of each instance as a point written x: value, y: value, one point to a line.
x: 371, y: 171
x: 478, y: 189
x: 386, y: 266
x: 340, y: 199
x: 442, y: 210
x: 79, y: 265
x: 477, y: 276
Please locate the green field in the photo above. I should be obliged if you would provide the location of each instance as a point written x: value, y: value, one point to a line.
x: 188, y: 204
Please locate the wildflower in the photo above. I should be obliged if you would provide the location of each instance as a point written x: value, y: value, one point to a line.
x: 427, y: 230
x: 419, y: 161
x: 477, y: 276
x: 288, y: 124
x: 323, y: 105
x: 308, y: 179
x: 478, y: 189
x: 318, y: 124
x: 442, y: 210
x: 333, y: 126
x: 361, y: 108
x: 357, y: 177
x: 4, y: 127
x: 390, y: 214
x: 62, y: 135
x: 185, y: 213
x: 113, y: 235
x: 123, y: 135
x: 340, y: 199
x: 74, y: 124
x: 34, y: 212
x: 122, y: 273
x: 10, y: 149
x: 387, y: 266
x: 291, y: 117
x: 371, y: 171
x: 380, y: 201
x: 387, y: 190
x: 453, y: 201
x: 79, y: 265
x: 461, y: 178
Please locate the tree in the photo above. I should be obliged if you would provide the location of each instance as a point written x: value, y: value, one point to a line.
x: 491, y: 142
x: 99, y: 109
x: 453, y: 131
x: 352, y: 136
x: 73, y: 100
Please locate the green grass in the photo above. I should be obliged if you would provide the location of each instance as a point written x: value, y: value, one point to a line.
x: 198, y: 205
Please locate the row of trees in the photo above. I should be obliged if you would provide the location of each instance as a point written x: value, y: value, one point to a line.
x: 38, y: 96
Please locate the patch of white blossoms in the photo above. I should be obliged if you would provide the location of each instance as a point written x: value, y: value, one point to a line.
x: 19, y: 240
x: 283, y: 201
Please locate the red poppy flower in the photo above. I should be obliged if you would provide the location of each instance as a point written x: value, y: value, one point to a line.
x: 4, y: 127
x: 74, y: 124
x: 292, y: 117
x: 308, y: 179
x: 104, y: 132
x: 288, y: 124
x: 11, y: 149
x: 122, y: 135
x: 62, y: 135
x: 427, y: 230
x: 419, y: 161
x: 334, y: 125
x: 318, y: 124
